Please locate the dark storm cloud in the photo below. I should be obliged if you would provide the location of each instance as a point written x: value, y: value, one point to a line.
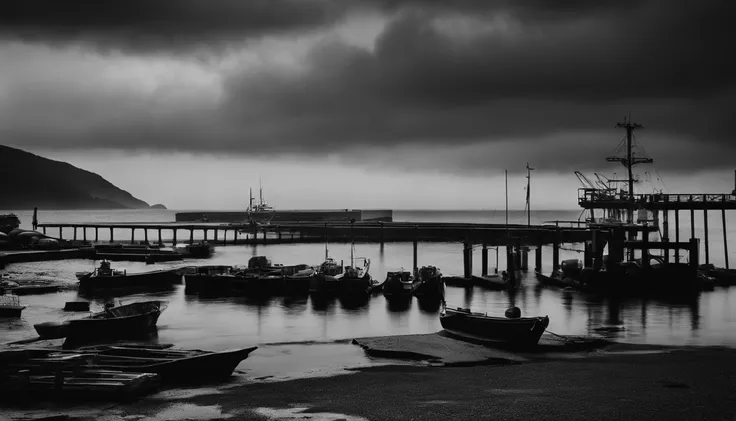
x: 167, y: 25
x: 443, y: 75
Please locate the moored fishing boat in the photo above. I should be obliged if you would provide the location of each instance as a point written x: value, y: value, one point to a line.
x: 399, y: 284
x: 52, y: 330
x: 106, y: 278
x: 325, y: 280
x: 514, y: 330
x: 356, y: 279
x: 431, y: 284
x: 197, y: 276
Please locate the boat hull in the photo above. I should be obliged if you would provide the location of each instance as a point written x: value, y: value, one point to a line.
x: 52, y: 330
x: 11, y: 311
x: 155, y: 279
x: 128, y: 321
x: 524, y: 331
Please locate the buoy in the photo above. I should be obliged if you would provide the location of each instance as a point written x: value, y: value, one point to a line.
x: 513, y: 312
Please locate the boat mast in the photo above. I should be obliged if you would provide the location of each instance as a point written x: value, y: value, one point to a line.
x: 630, y: 161
x: 506, y: 178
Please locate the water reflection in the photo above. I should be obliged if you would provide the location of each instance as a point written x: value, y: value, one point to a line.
x: 399, y: 304
x: 192, y: 321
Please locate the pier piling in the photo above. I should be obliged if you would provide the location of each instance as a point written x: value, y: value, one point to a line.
x: 160, y: 239
x: 556, y: 251
x: 677, y: 232
x: 416, y: 254
x: 705, y: 236
x: 692, y: 219
x: 60, y: 236
x: 725, y: 237
x: 112, y: 237
x: 467, y: 260
x: 484, y: 260
x: 97, y: 234
x: 44, y: 230
x: 84, y: 234
x: 75, y: 234
x: 174, y: 236
x: 145, y: 235
x: 132, y: 235
x: 191, y: 236
x: 205, y: 234
x: 538, y: 258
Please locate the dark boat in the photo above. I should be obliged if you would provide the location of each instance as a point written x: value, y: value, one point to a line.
x: 197, y: 276
x: 521, y: 331
x: 399, y: 284
x: 135, y: 253
x: 76, y: 306
x: 568, y: 275
x: 52, y: 330
x: 494, y: 281
x: 356, y: 280
x: 325, y: 280
x: 27, y: 287
x: 199, y: 250
x: 123, y: 321
x: 180, y: 366
x: 10, y: 306
x: 299, y: 282
x: 106, y: 278
x: 431, y: 284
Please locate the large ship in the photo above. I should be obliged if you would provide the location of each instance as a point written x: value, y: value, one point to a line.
x: 262, y: 212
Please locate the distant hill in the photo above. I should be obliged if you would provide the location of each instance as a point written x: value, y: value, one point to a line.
x: 30, y: 180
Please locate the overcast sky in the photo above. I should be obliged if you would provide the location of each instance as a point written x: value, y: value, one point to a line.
x: 373, y: 104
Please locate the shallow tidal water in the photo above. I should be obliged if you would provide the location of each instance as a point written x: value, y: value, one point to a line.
x: 310, y: 327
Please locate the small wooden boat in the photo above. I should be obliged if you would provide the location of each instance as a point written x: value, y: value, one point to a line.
x: 399, y: 284
x: 180, y: 366
x: 52, y: 330
x: 520, y: 331
x: 494, y: 281
x: 105, y: 278
x: 123, y: 321
x: 29, y: 287
x: 10, y: 306
x: 199, y: 250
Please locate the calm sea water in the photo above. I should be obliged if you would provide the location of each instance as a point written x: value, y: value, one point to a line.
x: 708, y: 319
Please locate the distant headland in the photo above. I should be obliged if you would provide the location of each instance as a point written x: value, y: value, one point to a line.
x: 34, y: 181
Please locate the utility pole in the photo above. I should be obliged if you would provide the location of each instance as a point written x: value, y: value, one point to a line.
x: 528, y: 195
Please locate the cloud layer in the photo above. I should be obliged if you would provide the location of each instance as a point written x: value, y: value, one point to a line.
x: 454, y: 86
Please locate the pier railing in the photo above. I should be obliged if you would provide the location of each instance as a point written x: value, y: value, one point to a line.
x: 602, y: 199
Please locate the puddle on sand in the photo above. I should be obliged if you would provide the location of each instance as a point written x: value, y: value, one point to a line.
x: 288, y: 414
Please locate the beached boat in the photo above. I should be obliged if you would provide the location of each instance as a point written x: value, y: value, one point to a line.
x: 123, y: 321
x: 522, y: 331
x: 431, y: 284
x: 52, y: 330
x: 27, y: 287
x: 106, y: 278
x: 494, y: 281
x: 399, y: 284
x: 180, y: 366
x: 10, y: 306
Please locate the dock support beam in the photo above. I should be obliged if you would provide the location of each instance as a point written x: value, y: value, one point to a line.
x: 224, y: 237
x: 84, y: 234
x: 205, y: 234
x: 215, y: 236
x: 191, y: 236
x: 725, y: 236
x: 75, y: 233
x: 666, y: 230
x: 556, y: 251
x: 538, y: 258
x: 174, y: 236
x: 235, y: 236
x: 132, y: 235
x: 111, y: 235
x: 484, y: 260
x: 695, y: 253
x: 692, y: 220
x: 467, y: 260
x: 705, y: 237
x: 97, y: 234
x: 60, y: 237
x: 677, y: 233
x: 44, y: 230
x: 145, y: 235
x: 160, y: 240
x: 416, y: 254
x: 264, y: 237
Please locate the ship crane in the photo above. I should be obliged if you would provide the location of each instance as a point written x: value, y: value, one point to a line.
x: 585, y: 181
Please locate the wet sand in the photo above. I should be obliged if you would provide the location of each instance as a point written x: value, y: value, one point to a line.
x: 620, y: 382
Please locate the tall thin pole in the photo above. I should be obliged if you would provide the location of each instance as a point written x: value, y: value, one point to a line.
x: 528, y: 195
x: 506, y: 177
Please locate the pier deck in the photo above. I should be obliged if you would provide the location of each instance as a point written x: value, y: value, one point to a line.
x: 491, y: 234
